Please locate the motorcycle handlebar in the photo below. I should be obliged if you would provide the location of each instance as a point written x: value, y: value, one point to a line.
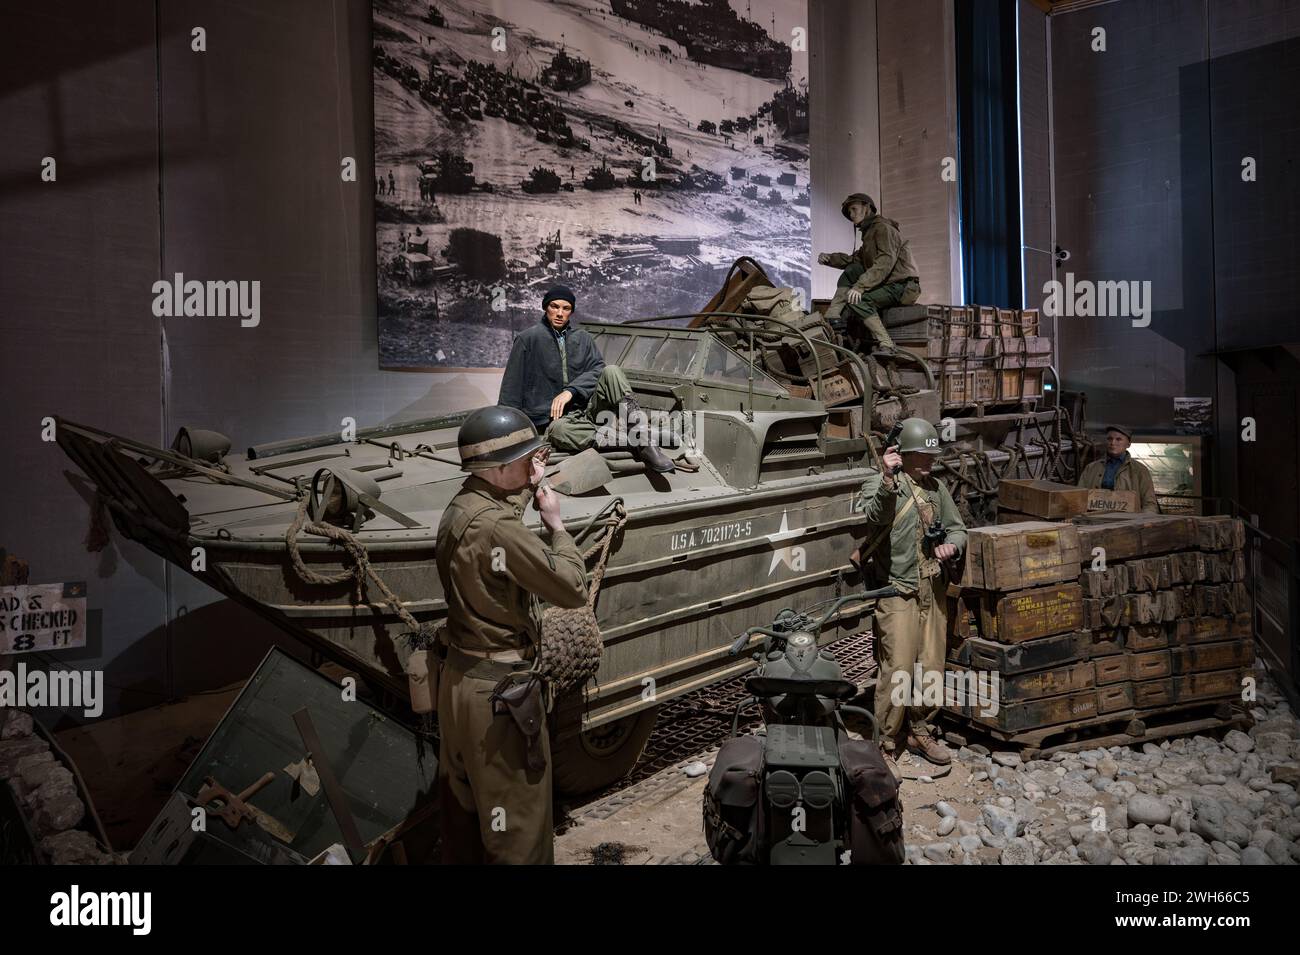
x: 817, y: 623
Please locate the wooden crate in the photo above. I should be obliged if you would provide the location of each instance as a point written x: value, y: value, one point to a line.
x: 1111, y: 669
x: 1231, y: 654
x: 1147, y: 636
x: 1047, y: 500
x: 1036, y: 684
x: 1151, y: 665
x: 1031, y: 714
x: 1211, y: 629
x: 1102, y: 501
x: 1124, y: 536
x: 962, y: 388
x: 1020, y: 385
x: 1029, y: 321
x: 1150, y: 694
x: 1009, y: 557
x: 1220, y: 533
x: 839, y: 385
x: 1026, y: 614
x: 984, y: 319
x: 1038, y: 654
x: 1114, y: 698
x: 1210, y: 685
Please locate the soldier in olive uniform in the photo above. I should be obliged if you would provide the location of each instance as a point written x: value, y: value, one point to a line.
x: 495, y: 573
x: 1119, y: 472
x: 911, y: 628
x: 557, y: 376
x: 879, y: 275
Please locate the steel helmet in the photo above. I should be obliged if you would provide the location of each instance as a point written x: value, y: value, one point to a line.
x: 857, y: 197
x: 918, y: 435
x: 493, y: 436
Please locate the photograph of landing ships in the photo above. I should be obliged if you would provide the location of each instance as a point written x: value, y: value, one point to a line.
x: 631, y: 149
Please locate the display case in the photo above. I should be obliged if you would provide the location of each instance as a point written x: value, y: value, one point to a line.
x: 1177, y: 464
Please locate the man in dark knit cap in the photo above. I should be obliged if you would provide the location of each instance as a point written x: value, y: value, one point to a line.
x: 557, y: 377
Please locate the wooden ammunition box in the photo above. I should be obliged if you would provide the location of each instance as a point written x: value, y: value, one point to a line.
x: 1211, y: 629
x: 1220, y: 533
x: 1111, y: 669
x: 1026, y: 614
x: 1045, y: 500
x: 1103, y: 501
x: 1105, y: 583
x: 1116, y: 697
x: 1211, y: 656
x: 839, y: 385
x: 1146, y: 636
x: 1150, y: 665
x: 1125, y: 536
x: 1211, y: 685
x: 1029, y: 321
x: 1020, y: 384
x: 1031, y: 714
x: 1017, y: 687
x: 985, y: 320
x: 980, y: 654
x: 1009, y: 557
x: 1149, y: 694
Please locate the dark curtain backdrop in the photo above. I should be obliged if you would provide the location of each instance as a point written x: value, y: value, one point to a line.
x: 988, y: 178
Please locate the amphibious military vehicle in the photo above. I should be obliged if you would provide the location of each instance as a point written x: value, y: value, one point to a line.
x: 757, y: 517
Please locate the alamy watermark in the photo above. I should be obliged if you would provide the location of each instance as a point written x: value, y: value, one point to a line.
x: 61, y: 689
x: 1084, y: 298
x: 211, y: 299
x: 957, y: 689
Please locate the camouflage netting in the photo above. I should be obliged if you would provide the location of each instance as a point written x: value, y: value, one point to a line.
x: 571, y: 642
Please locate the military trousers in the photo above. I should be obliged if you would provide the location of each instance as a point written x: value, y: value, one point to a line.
x: 910, y: 631
x: 868, y: 308
x: 576, y: 430
x: 494, y: 809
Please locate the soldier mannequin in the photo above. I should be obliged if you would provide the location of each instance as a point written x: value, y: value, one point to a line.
x: 495, y: 572
x: 557, y: 377
x: 1119, y: 472
x: 879, y: 275
x: 911, y: 628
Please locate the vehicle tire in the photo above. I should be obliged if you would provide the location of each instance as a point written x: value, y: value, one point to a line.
x: 595, y: 758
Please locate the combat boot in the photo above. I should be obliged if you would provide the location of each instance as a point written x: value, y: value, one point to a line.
x: 642, y: 448
x: 923, y: 744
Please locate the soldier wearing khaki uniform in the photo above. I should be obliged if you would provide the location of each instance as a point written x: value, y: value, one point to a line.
x: 879, y: 275
x: 494, y: 781
x: 1119, y: 472
x: 911, y: 628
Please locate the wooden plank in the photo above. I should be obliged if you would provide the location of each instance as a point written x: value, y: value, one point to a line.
x: 1109, y: 670
x: 1026, y: 614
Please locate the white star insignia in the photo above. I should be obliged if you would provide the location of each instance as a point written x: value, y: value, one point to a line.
x: 783, y: 555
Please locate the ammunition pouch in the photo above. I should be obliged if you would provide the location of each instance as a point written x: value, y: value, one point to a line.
x: 875, y: 831
x: 733, y: 814
x: 519, y: 694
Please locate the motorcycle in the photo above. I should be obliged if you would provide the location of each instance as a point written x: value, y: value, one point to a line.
x: 802, y: 791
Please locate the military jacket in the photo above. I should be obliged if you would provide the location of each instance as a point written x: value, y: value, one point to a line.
x: 882, y: 506
x: 884, y: 255
x: 495, y: 572
x: 1131, y: 476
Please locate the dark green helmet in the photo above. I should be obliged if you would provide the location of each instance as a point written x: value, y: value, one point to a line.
x: 491, y: 437
x: 918, y: 435
x: 857, y: 197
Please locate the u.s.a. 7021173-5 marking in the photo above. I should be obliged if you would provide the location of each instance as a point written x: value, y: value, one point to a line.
x: 713, y: 534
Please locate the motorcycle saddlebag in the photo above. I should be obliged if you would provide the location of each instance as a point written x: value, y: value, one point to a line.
x: 732, y: 809
x: 875, y: 813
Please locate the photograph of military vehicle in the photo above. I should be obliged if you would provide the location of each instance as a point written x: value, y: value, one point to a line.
x: 333, y: 539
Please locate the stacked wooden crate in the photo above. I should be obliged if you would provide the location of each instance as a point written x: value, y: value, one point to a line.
x: 1029, y: 500
x: 980, y: 357
x: 1161, y: 627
